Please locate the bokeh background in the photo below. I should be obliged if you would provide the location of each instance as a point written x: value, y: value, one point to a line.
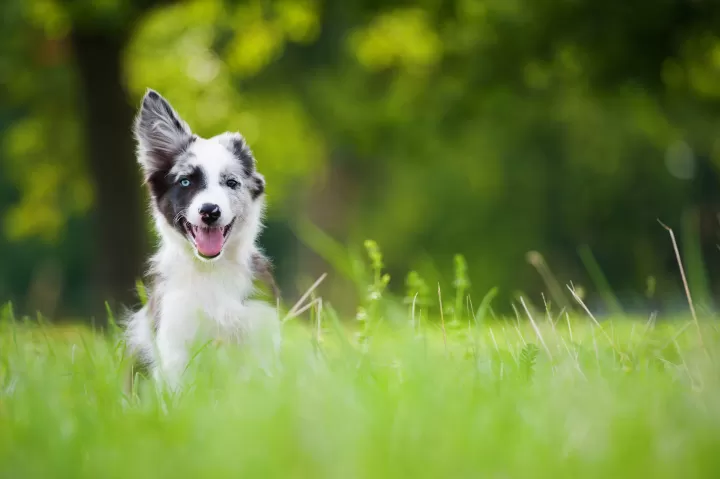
x: 518, y: 133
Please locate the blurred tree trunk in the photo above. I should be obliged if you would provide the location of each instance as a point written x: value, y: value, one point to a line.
x: 108, y: 115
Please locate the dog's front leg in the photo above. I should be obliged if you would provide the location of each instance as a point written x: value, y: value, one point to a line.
x: 175, y: 334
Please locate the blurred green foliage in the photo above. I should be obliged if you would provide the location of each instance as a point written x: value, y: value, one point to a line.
x: 488, y: 128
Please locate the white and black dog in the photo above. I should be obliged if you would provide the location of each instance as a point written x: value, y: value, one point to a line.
x: 207, y: 199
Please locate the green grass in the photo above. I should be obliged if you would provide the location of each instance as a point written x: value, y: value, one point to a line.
x: 632, y: 399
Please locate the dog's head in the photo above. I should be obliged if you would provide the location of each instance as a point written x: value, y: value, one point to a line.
x: 205, y: 191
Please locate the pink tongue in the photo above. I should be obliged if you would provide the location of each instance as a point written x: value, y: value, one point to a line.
x: 209, y: 241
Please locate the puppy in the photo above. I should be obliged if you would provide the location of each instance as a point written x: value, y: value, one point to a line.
x: 207, y: 201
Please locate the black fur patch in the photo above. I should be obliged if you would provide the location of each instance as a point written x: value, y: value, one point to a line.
x: 257, y: 185
x: 242, y: 152
x: 171, y: 197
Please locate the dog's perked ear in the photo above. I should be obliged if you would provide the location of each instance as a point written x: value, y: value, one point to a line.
x: 236, y: 143
x: 160, y: 132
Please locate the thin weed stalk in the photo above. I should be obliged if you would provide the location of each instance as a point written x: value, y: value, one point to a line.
x: 537, y: 330
x: 442, y: 319
x: 685, y: 285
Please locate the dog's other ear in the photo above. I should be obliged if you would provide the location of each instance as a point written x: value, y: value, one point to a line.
x: 160, y: 132
x: 236, y: 143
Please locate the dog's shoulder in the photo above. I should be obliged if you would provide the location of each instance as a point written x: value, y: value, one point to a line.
x: 262, y: 270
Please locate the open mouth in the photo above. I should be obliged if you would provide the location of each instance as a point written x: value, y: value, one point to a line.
x: 208, y: 240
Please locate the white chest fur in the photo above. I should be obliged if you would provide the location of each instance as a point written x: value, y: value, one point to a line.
x: 205, y: 301
x: 196, y: 302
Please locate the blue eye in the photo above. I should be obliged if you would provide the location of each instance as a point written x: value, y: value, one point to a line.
x: 184, y: 182
x: 231, y: 184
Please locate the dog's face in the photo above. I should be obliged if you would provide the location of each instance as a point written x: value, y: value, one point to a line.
x: 206, y: 190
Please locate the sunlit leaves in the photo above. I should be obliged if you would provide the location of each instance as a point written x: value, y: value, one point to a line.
x: 702, y: 66
x: 261, y: 30
x: 49, y: 16
x: 51, y: 190
x: 402, y: 37
x: 299, y: 19
x: 257, y: 42
x: 41, y: 147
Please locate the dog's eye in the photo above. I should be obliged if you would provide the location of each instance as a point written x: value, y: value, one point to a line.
x: 184, y: 182
x: 232, y: 184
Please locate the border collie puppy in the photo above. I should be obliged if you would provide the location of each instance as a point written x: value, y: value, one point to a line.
x: 207, y: 200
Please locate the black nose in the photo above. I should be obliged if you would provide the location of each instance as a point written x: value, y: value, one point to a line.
x: 209, y: 213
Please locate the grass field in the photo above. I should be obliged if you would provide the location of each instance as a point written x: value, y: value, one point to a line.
x: 557, y: 397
